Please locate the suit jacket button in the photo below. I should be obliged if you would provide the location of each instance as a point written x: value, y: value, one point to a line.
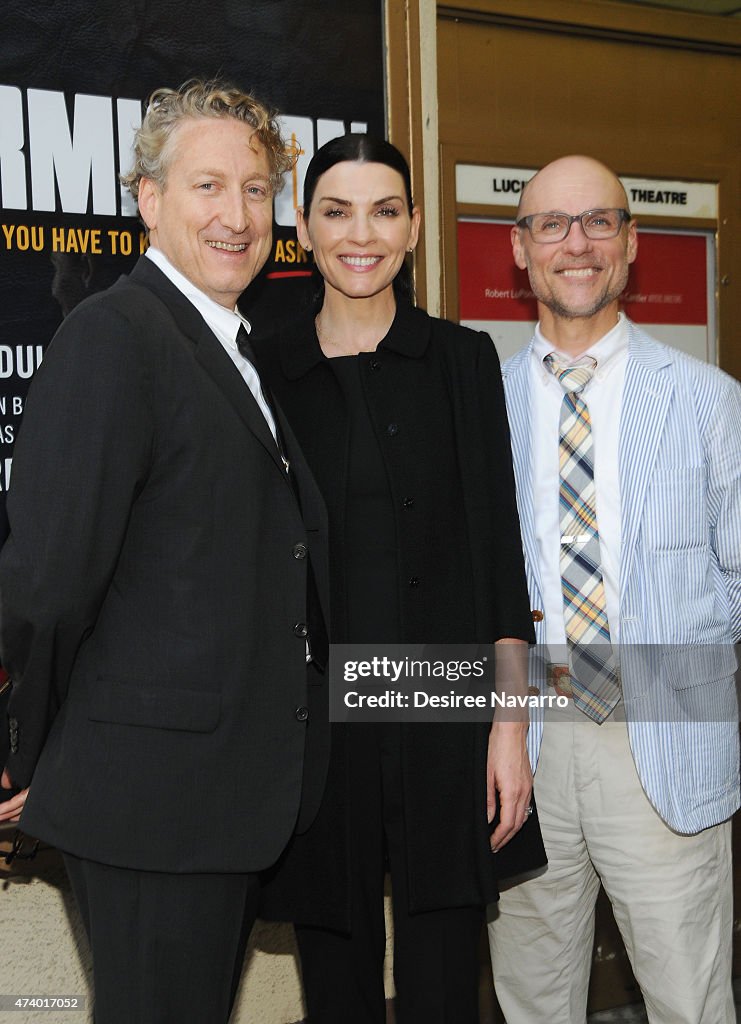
x: 300, y: 629
x: 299, y: 550
x: 375, y: 364
x: 407, y: 503
x: 413, y: 581
x: 392, y: 429
x: 302, y: 714
x: 537, y: 615
x: 13, y: 730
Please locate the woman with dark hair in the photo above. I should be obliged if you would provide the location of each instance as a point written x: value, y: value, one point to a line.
x: 402, y: 420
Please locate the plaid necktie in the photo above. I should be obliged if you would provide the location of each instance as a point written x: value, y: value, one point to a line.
x: 594, y: 682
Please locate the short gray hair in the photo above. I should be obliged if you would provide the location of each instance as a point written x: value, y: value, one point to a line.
x: 167, y: 108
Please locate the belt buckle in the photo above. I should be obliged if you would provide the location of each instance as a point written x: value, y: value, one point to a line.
x: 559, y: 677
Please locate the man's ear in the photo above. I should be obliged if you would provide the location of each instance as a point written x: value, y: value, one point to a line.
x: 632, y: 248
x: 517, y: 248
x: 148, y: 202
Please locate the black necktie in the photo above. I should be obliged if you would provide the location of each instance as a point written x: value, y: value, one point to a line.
x: 245, y: 349
x: 317, y: 640
x: 243, y: 344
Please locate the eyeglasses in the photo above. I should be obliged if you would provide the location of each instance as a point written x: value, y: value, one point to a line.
x: 554, y: 227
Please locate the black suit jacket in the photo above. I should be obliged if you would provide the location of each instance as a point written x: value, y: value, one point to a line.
x: 153, y: 596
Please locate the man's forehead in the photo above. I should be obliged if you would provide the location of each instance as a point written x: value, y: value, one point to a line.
x: 572, y: 185
x: 197, y: 132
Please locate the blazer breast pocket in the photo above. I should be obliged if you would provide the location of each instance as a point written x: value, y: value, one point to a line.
x: 675, y: 516
x: 154, y: 707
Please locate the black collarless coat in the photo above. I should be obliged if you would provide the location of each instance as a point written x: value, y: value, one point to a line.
x: 435, y: 399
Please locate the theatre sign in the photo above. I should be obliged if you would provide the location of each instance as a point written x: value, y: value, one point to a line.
x: 671, y: 289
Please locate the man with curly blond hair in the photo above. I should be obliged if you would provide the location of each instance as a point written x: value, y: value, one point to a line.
x: 161, y: 588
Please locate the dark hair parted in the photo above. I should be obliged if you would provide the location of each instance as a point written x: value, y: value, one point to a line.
x: 359, y: 149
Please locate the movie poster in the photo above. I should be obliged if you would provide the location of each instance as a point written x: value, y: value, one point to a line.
x: 74, y: 76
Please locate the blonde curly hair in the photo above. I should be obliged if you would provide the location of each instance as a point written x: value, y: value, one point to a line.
x: 198, y: 98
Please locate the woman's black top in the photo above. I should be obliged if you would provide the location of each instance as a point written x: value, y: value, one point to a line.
x: 369, y: 578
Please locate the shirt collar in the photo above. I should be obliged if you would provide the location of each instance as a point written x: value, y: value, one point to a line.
x: 606, y: 352
x: 409, y: 335
x: 225, y: 322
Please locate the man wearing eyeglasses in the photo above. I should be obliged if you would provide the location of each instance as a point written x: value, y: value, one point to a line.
x: 628, y: 465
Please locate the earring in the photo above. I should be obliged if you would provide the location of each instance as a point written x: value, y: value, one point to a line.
x: 411, y: 250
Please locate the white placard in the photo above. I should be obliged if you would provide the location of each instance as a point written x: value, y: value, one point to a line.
x: 672, y: 198
x: 502, y: 186
x: 490, y: 186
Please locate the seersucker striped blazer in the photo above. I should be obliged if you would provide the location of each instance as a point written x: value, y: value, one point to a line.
x: 680, y: 574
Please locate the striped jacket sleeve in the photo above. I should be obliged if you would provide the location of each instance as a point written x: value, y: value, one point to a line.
x: 723, y: 455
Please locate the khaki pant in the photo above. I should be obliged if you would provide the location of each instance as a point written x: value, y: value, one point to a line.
x: 671, y: 894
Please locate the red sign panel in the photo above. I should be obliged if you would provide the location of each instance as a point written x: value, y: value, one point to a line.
x: 668, y: 281
x: 489, y: 284
x: 667, y: 285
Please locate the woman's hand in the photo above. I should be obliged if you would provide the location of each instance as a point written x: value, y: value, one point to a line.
x: 11, y: 809
x: 509, y: 780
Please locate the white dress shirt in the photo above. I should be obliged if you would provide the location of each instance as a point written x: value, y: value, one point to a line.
x: 603, y: 396
x: 225, y: 324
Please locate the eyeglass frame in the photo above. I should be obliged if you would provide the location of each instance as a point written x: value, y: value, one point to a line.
x: 525, y: 222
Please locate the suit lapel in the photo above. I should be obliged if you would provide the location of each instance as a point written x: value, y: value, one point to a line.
x: 518, y: 394
x: 215, y: 361
x: 647, y: 395
x: 210, y: 353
